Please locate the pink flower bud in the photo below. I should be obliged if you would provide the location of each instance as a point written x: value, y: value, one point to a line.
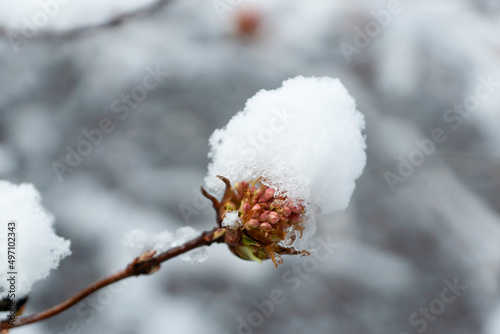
x: 257, y: 207
x: 247, y: 207
x: 263, y: 216
x: 267, y: 195
x: 287, y: 211
x: 296, y: 208
x: 273, y: 218
x: 256, y: 210
x: 253, y: 223
x: 266, y: 226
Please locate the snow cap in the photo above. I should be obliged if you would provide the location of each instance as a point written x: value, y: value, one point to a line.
x: 304, y: 139
x: 37, y: 248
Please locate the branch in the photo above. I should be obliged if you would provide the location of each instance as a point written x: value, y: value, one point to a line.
x: 140, y: 266
x: 113, y: 22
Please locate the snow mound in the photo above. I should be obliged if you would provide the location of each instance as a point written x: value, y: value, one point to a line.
x: 304, y: 139
x: 38, y: 249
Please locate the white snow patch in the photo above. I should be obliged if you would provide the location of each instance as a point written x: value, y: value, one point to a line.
x: 303, y: 138
x: 231, y: 220
x: 38, y: 248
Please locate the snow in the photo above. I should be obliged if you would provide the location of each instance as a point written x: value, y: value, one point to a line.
x: 165, y: 240
x: 38, y: 249
x: 231, y: 220
x: 305, y: 139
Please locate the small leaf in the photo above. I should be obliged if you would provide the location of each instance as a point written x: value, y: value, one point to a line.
x: 249, y: 252
x: 249, y: 242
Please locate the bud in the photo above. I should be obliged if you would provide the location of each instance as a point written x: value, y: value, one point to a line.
x: 253, y: 223
x: 287, y: 211
x: 268, y: 194
x: 273, y: 218
x: 266, y: 220
x: 247, y: 207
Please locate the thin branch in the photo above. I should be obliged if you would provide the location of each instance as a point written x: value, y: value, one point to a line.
x: 140, y: 266
x: 215, y: 204
x: 112, y: 23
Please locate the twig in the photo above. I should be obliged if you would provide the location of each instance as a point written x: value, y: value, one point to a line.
x: 139, y: 266
x: 113, y: 22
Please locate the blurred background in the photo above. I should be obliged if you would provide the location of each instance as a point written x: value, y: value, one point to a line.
x: 417, y: 251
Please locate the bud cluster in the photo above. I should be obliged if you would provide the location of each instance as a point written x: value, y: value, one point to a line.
x: 268, y: 222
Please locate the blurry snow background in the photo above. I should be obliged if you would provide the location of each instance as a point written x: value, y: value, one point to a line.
x: 395, y: 248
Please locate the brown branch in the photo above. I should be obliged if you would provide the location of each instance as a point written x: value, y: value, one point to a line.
x: 143, y: 265
x: 215, y: 204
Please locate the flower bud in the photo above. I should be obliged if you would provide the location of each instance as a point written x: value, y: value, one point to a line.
x: 256, y: 210
x: 269, y: 193
x: 247, y: 207
x: 273, y: 218
x: 253, y: 223
x: 266, y: 226
x: 287, y: 211
x: 296, y: 208
x: 263, y: 216
x: 267, y: 221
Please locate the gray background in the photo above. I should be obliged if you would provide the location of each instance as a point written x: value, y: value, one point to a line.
x: 396, y: 249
